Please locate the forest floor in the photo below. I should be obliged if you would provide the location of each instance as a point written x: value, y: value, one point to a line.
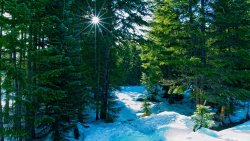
x: 166, y: 123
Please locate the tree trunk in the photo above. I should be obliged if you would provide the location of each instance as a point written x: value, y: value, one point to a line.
x: 107, y: 51
x: 191, y: 22
x: 97, y: 73
x: 171, y: 99
x: 248, y: 108
x: 106, y: 84
x: 16, y: 84
x: 77, y: 62
x: 30, y: 113
x: 222, y: 113
x: 171, y: 96
x: 96, y: 104
x: 1, y: 107
x: 194, y: 50
x: 57, y: 135
x: 203, y: 24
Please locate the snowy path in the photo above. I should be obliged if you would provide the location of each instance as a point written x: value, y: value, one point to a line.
x: 160, y: 126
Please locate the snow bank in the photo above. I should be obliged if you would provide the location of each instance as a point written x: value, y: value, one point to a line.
x: 239, y: 115
x: 165, y: 124
x: 133, y: 89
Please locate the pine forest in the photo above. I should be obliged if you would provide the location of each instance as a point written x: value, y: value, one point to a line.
x: 124, y: 70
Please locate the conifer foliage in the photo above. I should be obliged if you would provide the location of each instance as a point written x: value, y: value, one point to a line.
x: 56, y: 63
x: 145, y: 108
x: 52, y: 68
x: 203, y: 45
x: 203, y: 117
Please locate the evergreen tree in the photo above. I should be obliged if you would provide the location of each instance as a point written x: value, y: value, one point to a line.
x: 60, y: 90
x: 200, y: 44
x: 112, y: 36
x: 202, y: 117
x: 145, y: 108
x: 128, y: 63
x: 13, y: 67
x: 37, y: 33
x: 230, y: 48
x: 1, y: 73
x: 167, y: 60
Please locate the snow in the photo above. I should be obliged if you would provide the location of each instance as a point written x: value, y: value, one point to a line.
x: 133, y: 89
x: 3, y: 100
x: 239, y: 115
x: 167, y: 123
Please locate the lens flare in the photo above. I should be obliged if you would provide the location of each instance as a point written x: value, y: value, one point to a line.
x: 95, y: 20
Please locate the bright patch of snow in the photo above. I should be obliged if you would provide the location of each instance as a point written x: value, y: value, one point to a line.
x: 133, y: 89
x: 165, y: 124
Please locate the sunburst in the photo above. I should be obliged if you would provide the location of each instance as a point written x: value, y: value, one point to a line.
x: 95, y: 20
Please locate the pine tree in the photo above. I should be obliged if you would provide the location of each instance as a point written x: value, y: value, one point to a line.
x: 168, y: 59
x: 200, y: 44
x: 13, y: 68
x: 145, y: 108
x: 60, y: 90
x: 1, y: 73
x: 202, y: 117
x: 103, y: 55
x: 128, y: 64
x: 230, y: 47
x: 36, y: 34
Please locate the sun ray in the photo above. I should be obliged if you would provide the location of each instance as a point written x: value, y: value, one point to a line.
x: 117, y: 38
x: 107, y: 30
x: 83, y: 17
x: 104, y: 22
x: 91, y: 27
x: 100, y: 30
x: 89, y: 7
x: 95, y: 7
x: 107, y: 18
x: 85, y: 11
x: 87, y: 22
x: 84, y: 30
x: 102, y: 14
x: 98, y: 15
x: 96, y: 20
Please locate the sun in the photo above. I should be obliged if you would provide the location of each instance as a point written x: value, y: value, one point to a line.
x: 95, y: 20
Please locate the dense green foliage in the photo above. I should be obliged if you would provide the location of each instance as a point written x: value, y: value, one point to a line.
x: 202, y: 117
x: 53, y: 66
x: 145, y: 108
x: 203, y: 45
x: 55, y: 63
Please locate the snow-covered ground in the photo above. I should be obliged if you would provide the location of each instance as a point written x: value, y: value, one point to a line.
x: 165, y: 124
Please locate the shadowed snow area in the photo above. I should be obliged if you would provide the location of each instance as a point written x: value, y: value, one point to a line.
x: 163, y: 125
